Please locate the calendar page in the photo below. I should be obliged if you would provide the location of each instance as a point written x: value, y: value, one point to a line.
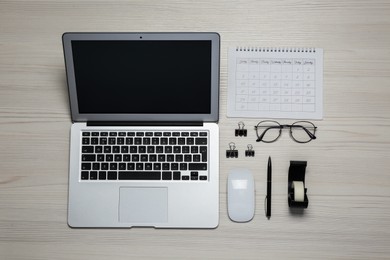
x: 275, y: 83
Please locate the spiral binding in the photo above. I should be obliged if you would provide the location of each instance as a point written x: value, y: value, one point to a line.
x: 275, y: 49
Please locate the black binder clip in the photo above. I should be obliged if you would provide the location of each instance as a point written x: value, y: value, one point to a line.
x: 232, y: 152
x: 297, y: 197
x: 241, y: 131
x: 250, y: 152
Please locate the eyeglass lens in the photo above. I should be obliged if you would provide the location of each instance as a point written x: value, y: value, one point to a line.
x: 302, y: 131
x: 268, y: 131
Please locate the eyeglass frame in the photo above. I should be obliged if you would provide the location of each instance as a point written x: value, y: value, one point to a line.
x: 280, y: 127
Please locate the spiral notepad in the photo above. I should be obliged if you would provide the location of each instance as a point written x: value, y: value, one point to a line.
x: 275, y: 82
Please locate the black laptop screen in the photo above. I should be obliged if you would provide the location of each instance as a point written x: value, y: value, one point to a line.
x: 143, y: 77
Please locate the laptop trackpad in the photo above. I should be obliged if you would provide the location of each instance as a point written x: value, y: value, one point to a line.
x: 143, y: 205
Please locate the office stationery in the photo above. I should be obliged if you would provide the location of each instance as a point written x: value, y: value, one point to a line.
x: 241, y: 131
x: 232, y: 152
x: 268, y: 131
x: 269, y: 188
x: 250, y: 152
x: 275, y: 82
x: 144, y: 139
x: 241, y: 195
x: 296, y: 189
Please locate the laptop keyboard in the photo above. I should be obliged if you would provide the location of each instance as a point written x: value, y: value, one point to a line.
x: 144, y: 155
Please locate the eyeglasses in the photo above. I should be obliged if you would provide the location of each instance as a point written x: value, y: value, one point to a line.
x: 301, y: 131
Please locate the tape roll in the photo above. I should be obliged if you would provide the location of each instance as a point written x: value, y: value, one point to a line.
x: 299, y: 191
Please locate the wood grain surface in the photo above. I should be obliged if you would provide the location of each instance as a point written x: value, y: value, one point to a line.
x: 348, y: 172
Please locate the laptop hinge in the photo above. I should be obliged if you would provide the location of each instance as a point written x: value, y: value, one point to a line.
x: 141, y: 123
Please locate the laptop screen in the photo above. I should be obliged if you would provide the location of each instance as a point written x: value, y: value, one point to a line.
x: 143, y: 78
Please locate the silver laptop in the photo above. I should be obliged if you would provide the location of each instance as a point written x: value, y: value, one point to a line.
x: 144, y: 145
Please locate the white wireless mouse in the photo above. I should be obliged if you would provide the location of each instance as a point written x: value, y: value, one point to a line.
x: 241, y: 195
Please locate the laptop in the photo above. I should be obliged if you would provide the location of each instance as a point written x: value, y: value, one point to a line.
x: 144, y: 148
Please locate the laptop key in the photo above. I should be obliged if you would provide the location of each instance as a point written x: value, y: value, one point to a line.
x: 156, y: 166
x: 107, y: 149
x: 148, y: 166
x: 93, y: 175
x: 96, y: 166
x: 112, y: 175
x: 183, y: 166
x: 85, y: 140
x: 190, y: 141
x: 138, y: 141
x: 165, y: 166
x: 203, y: 152
x: 155, y: 141
x: 164, y: 140
x: 197, y: 166
x: 181, y: 141
x: 103, y: 140
x: 120, y: 140
x: 98, y: 149
x: 104, y: 166
x: 194, y: 176
x: 113, y: 166
x: 130, y: 166
x: 88, y: 157
x: 139, y: 166
x: 122, y: 166
x: 146, y: 141
x: 174, y: 166
x: 167, y: 175
x: 200, y: 141
x: 139, y: 175
x: 87, y: 149
x: 172, y: 141
x: 176, y: 176
x: 84, y: 175
x: 102, y: 175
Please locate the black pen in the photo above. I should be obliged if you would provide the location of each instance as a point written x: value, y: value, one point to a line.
x: 269, y: 184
